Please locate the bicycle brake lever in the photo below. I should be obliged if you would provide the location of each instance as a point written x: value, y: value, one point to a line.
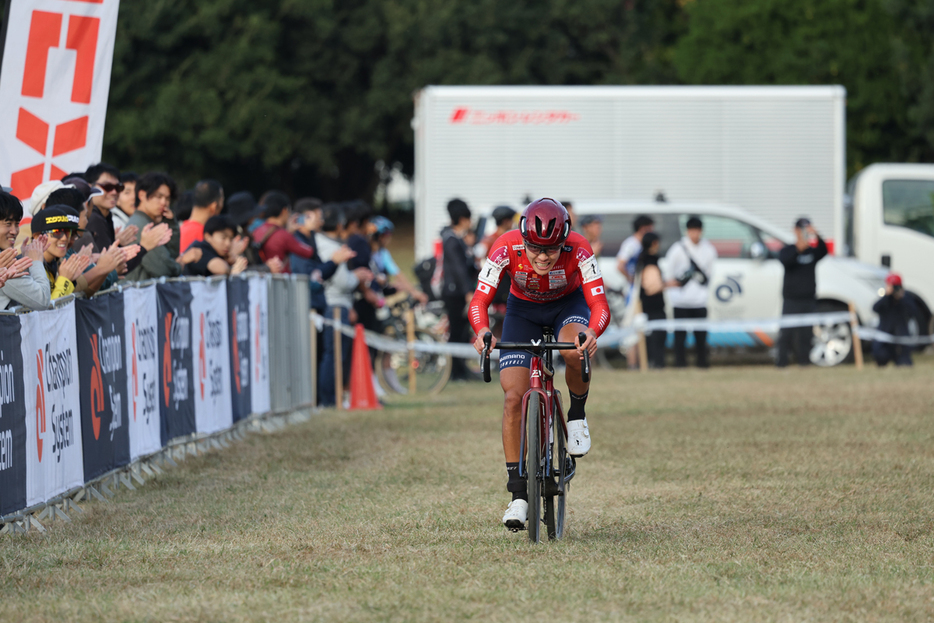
x: 485, y: 357
x: 585, y: 367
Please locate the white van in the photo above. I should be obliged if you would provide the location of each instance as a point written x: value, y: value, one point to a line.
x: 747, y: 279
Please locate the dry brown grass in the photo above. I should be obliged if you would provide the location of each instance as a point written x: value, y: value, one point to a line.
x: 740, y: 494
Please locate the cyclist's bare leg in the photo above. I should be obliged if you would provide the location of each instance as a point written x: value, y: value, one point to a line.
x: 515, y: 382
x: 572, y: 373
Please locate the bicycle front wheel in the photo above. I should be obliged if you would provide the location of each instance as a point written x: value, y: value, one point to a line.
x: 533, y: 465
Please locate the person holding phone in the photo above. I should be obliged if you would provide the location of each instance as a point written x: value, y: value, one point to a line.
x: 799, y: 289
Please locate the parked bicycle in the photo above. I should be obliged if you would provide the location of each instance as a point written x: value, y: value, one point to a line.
x: 548, y: 468
x: 433, y: 370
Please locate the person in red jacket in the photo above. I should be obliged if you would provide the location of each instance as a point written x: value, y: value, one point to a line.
x: 273, y: 237
x: 556, y: 282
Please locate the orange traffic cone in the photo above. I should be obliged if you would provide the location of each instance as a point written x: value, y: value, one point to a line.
x: 362, y: 392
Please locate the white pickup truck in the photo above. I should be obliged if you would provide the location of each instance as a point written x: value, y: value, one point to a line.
x: 747, y: 278
x: 889, y: 221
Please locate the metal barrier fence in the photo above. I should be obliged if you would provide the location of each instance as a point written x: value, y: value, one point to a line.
x: 147, y: 374
x: 289, y: 343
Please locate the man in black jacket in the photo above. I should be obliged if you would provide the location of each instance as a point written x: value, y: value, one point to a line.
x: 459, y: 279
x: 799, y: 290
x: 895, y: 312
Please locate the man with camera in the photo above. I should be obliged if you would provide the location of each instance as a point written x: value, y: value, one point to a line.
x: 799, y: 289
x: 895, y: 311
x: 690, y: 265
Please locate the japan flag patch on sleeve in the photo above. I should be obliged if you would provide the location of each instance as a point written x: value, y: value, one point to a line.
x: 595, y: 291
x: 482, y: 287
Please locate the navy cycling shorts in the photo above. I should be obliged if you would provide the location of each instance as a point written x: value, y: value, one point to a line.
x: 525, y: 319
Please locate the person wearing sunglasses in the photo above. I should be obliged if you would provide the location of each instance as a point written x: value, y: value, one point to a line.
x: 100, y: 221
x: 58, y: 226
x: 556, y: 282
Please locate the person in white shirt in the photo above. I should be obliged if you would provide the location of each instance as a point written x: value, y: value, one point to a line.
x: 690, y: 268
x: 632, y: 246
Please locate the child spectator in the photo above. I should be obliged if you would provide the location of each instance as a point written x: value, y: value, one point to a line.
x: 215, y: 250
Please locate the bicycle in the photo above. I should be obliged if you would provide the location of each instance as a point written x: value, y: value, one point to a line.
x: 548, y: 468
x: 392, y: 368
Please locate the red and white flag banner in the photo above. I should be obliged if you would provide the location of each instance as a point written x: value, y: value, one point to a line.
x: 54, y: 84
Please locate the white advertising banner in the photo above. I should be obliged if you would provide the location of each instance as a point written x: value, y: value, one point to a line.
x: 210, y: 344
x: 142, y: 357
x: 54, y: 461
x: 54, y: 85
x: 259, y: 345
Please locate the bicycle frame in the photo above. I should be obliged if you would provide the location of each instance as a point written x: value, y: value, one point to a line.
x: 541, y: 381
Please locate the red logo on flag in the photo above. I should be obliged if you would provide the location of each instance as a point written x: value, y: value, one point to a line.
x: 44, y: 34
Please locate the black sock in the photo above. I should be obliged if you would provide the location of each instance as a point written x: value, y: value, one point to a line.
x: 576, y: 412
x: 514, y: 484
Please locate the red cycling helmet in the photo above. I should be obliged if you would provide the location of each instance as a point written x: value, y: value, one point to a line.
x: 545, y: 223
x: 894, y: 279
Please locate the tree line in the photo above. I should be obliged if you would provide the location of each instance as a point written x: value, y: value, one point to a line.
x: 308, y: 95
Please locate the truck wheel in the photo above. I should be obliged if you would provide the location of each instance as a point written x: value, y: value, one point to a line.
x: 833, y: 344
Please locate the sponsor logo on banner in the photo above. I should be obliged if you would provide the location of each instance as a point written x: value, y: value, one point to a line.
x: 177, y: 367
x: 259, y: 344
x: 175, y: 372
x: 239, y: 337
x: 54, y: 85
x: 12, y: 419
x: 213, y: 402
x: 56, y: 373
x: 142, y: 364
x: 209, y: 366
x: 54, y: 458
x: 100, y: 327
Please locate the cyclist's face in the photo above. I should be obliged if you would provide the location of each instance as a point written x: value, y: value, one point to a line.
x: 542, y: 258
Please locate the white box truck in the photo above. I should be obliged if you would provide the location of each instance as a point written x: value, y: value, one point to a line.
x: 776, y: 152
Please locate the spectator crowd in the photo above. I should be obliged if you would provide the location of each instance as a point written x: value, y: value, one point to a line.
x: 86, y: 232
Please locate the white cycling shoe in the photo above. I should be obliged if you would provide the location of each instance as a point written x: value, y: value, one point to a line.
x: 517, y: 513
x: 578, y: 438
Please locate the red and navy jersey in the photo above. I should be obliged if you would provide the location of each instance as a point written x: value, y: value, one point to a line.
x: 576, y: 268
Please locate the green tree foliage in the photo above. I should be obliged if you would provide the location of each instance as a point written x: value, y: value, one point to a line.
x: 914, y: 66
x: 310, y: 94
x: 869, y: 46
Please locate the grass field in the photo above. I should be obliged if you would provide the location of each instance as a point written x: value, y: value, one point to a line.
x: 734, y: 494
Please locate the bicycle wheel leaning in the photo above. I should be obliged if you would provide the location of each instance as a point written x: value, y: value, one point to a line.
x: 533, y: 465
x: 433, y: 370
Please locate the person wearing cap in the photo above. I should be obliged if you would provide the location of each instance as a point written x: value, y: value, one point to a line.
x: 41, y: 194
x: 591, y: 228
x: 58, y: 226
x: 799, y: 290
x: 895, y: 311
x: 31, y: 290
x: 384, y: 267
x: 690, y: 268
